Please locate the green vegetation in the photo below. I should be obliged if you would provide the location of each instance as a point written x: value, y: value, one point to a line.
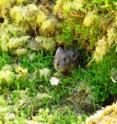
x: 30, y: 32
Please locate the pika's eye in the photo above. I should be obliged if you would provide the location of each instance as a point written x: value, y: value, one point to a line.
x: 57, y: 64
x: 74, y: 55
x: 65, y: 59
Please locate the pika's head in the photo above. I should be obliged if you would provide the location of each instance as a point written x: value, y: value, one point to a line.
x: 65, y: 59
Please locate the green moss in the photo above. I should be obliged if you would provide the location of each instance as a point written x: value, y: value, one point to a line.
x: 27, y: 45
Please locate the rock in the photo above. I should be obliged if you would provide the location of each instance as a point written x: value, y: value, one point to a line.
x: 54, y: 81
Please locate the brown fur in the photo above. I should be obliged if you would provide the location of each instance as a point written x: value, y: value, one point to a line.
x: 65, y: 59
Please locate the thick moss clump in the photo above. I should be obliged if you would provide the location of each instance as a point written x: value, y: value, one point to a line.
x: 107, y: 115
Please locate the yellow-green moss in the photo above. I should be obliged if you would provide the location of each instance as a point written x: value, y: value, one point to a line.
x: 107, y: 115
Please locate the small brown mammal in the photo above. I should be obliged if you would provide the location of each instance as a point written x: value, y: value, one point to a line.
x: 65, y: 59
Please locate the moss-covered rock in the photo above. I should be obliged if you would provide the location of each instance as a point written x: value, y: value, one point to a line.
x: 107, y: 115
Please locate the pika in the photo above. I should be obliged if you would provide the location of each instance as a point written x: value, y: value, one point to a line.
x: 65, y: 59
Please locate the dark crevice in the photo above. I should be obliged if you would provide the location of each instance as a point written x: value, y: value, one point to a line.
x: 110, y: 100
x: 1, y: 19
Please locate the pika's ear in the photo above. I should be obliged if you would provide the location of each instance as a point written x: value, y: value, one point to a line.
x: 59, y: 51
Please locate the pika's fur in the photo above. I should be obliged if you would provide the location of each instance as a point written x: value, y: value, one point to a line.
x: 65, y: 59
